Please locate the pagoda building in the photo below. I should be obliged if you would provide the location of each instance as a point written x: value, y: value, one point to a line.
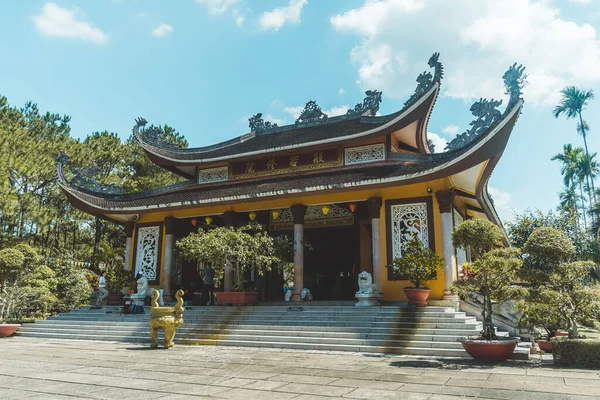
x: 356, y: 187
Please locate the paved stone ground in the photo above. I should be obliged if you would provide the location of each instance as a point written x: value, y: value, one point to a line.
x: 45, y: 369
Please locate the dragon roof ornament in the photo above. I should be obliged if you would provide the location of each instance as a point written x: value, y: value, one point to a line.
x: 425, y: 80
x: 153, y: 135
x: 85, y: 178
x: 369, y: 106
x: 257, y: 124
x: 486, y: 110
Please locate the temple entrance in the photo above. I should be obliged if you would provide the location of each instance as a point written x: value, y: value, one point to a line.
x: 332, y: 266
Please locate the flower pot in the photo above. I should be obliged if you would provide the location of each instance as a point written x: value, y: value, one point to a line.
x: 237, y: 298
x: 490, y: 350
x: 545, y: 345
x: 8, y: 329
x: 561, y: 334
x: 417, y: 297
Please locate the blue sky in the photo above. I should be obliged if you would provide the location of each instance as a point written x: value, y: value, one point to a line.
x: 206, y: 66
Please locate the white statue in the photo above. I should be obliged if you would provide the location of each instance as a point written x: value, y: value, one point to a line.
x: 365, y: 283
x: 142, y: 288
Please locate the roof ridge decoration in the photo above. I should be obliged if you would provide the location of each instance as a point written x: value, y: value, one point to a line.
x: 85, y: 178
x: 425, y: 80
x: 369, y: 106
x: 486, y: 110
x: 152, y: 135
x: 311, y: 114
x: 257, y: 124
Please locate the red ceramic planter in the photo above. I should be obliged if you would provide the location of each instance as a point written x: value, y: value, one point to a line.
x: 545, y: 345
x: 8, y: 329
x: 417, y: 297
x: 237, y: 298
x: 490, y: 350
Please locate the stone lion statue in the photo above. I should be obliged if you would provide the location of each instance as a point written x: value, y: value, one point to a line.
x: 365, y: 283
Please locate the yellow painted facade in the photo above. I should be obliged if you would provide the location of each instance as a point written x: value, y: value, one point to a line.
x: 392, y: 289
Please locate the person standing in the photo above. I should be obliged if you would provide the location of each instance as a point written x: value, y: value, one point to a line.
x: 209, y: 285
x: 102, y: 289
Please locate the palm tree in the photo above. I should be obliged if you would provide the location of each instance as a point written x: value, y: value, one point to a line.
x: 572, y: 103
x: 588, y: 166
x: 568, y: 200
x: 573, y: 175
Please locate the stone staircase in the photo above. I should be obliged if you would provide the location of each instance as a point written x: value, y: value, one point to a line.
x: 429, y: 331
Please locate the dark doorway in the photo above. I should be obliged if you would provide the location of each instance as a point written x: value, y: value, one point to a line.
x: 331, y: 268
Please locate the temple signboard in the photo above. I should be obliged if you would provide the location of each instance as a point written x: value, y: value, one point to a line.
x: 275, y: 165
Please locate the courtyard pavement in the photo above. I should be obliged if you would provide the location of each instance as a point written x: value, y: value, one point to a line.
x: 57, y: 369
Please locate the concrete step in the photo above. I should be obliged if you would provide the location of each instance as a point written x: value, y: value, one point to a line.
x: 208, y: 331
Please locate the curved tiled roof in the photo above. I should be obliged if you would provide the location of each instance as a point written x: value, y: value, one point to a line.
x: 400, y: 169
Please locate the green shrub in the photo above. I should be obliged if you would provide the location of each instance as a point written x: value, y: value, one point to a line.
x: 479, y: 234
x: 544, y: 250
x: 576, y: 352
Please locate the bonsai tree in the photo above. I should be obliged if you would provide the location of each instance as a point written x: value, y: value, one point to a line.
x: 244, y: 248
x: 545, y: 249
x: 418, y: 263
x: 492, y: 274
x: 558, y: 297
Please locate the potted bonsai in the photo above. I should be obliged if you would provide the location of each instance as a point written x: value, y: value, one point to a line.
x: 491, y: 277
x: 419, y: 265
x: 243, y: 248
x: 15, y: 263
x: 557, y: 298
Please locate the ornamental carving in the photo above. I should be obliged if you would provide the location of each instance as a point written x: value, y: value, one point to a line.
x: 369, y: 106
x: 364, y: 154
x: 311, y: 113
x: 147, y: 252
x: 257, y: 124
x: 208, y: 175
x: 487, y: 114
x: 486, y: 110
x: 425, y: 80
x: 314, y: 218
x: 461, y: 254
x: 408, y: 221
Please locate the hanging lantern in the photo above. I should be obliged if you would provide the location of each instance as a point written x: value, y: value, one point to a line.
x: 275, y: 214
x: 325, y: 210
x: 252, y: 216
x: 352, y: 207
x: 194, y: 222
x: 208, y: 220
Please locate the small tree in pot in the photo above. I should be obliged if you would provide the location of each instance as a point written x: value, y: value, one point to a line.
x: 492, y: 277
x: 419, y: 265
x: 243, y: 248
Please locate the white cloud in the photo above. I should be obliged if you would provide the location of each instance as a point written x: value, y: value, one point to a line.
x: 294, y: 111
x: 438, y: 141
x: 502, y: 203
x: 341, y: 92
x: 239, y: 20
x: 270, y: 118
x: 337, y: 110
x: 216, y: 7
x: 278, y: 17
x: 61, y: 22
x: 451, y: 130
x: 478, y: 40
x: 162, y: 30
x: 580, y: 1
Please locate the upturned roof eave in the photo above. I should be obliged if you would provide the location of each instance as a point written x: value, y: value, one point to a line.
x: 155, y: 152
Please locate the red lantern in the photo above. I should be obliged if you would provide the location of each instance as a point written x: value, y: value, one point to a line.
x: 194, y: 222
x: 352, y: 207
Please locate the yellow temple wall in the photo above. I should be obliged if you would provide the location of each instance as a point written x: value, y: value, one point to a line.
x: 392, y: 289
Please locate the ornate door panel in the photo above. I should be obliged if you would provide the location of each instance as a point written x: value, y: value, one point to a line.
x: 148, y: 252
